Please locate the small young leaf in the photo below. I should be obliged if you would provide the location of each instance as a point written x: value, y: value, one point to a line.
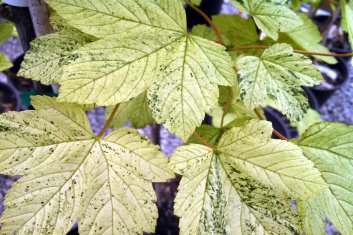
x: 70, y: 175
x: 329, y: 146
x: 278, y: 75
x: 136, y: 111
x: 271, y: 16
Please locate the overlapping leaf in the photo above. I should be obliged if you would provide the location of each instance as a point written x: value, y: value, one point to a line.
x: 49, y: 54
x: 71, y: 175
x: 277, y: 75
x: 227, y: 190
x: 329, y: 146
x: 270, y: 16
x: 144, y: 45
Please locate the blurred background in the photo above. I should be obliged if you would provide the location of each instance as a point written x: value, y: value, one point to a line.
x: 330, y: 101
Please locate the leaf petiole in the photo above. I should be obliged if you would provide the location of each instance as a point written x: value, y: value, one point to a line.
x: 109, y: 121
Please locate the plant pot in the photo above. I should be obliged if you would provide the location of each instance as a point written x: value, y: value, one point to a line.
x: 21, y: 84
x: 321, y: 19
x: 313, y: 102
x: 280, y: 123
x: 338, y: 42
x: 335, y: 76
x: 10, y: 99
x: 210, y: 7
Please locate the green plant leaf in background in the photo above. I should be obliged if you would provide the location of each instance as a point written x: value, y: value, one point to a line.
x: 277, y: 75
x: 347, y: 13
x: 216, y: 196
x: 195, y: 2
x: 238, y: 31
x: 271, y: 16
x: 70, y: 175
x: 136, y: 111
x: 6, y: 30
x: 329, y: 146
x: 5, y: 63
x: 307, y: 37
x: 152, y: 51
x: 310, y: 118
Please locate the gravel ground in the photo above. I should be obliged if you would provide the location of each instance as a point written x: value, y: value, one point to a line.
x: 338, y: 108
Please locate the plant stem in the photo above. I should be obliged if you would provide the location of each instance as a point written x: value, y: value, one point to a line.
x: 225, y: 111
x: 208, y: 20
x: 298, y: 51
x: 279, y: 135
x: 202, y: 140
x: 275, y: 132
x: 109, y: 121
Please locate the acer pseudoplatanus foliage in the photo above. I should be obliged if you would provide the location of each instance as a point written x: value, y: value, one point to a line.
x: 138, y: 59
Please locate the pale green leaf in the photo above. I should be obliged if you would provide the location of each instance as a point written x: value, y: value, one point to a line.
x: 209, y: 133
x: 5, y: 63
x: 6, y: 30
x: 307, y: 37
x: 146, y: 47
x: 182, y: 95
x: 195, y: 2
x: 70, y: 175
x: 277, y: 74
x: 310, y: 118
x: 230, y: 102
x: 347, y: 13
x: 237, y: 30
x: 270, y: 16
x: 136, y: 111
x: 329, y: 146
x: 106, y: 17
x: 217, y: 197
x: 274, y: 162
x: 44, y: 61
x: 204, y: 31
